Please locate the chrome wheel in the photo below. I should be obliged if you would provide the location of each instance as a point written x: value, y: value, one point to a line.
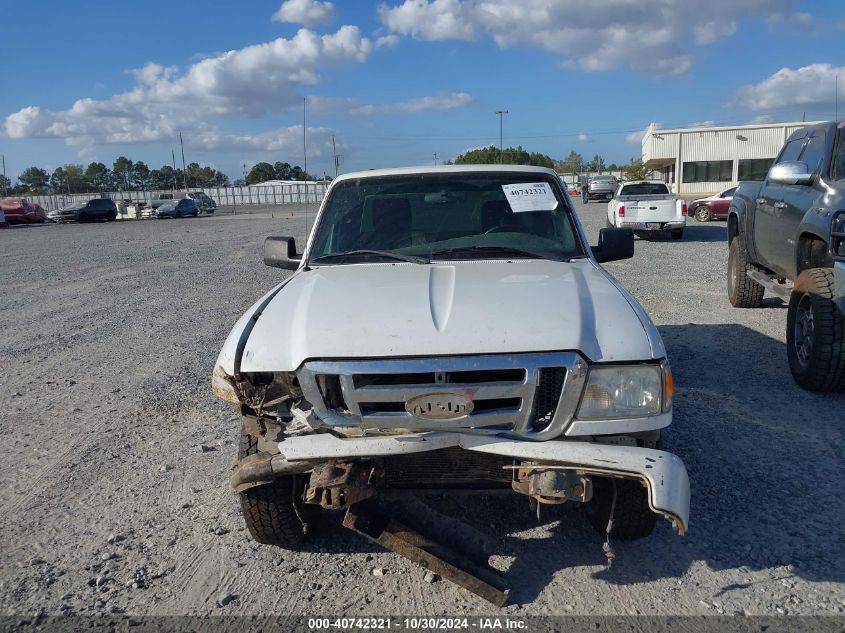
x: 702, y: 213
x: 804, y: 327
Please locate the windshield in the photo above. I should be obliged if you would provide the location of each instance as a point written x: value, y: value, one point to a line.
x: 446, y: 216
x: 644, y: 189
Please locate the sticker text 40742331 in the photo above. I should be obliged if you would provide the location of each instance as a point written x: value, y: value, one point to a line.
x: 531, y: 196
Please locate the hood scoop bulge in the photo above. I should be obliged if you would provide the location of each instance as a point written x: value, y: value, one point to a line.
x: 441, y: 294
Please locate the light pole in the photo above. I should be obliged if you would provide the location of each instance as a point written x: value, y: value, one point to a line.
x: 501, y: 114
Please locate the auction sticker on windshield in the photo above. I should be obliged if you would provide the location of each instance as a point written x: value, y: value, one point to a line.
x: 530, y: 196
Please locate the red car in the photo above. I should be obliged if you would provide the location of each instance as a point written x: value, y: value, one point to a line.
x: 22, y: 211
x: 712, y: 207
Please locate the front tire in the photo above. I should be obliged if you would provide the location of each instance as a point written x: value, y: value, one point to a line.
x: 742, y: 291
x: 632, y: 516
x: 815, y: 333
x: 274, y: 513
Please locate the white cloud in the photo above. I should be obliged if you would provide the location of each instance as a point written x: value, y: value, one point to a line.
x: 387, y: 41
x: 801, y: 87
x: 709, y: 32
x: 286, y: 140
x: 583, y: 138
x: 707, y: 123
x: 421, y: 104
x: 305, y: 12
x: 807, y: 22
x: 635, y: 138
x: 761, y: 119
x: 648, y: 35
x: 251, y: 81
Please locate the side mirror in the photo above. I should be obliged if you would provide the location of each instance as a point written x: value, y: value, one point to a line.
x: 280, y: 252
x: 790, y: 173
x: 614, y: 244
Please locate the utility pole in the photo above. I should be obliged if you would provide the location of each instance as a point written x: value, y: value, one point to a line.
x: 173, y: 156
x: 184, y: 170
x: 334, y: 156
x: 501, y: 114
x: 304, y: 138
x: 435, y: 159
x: 4, y: 175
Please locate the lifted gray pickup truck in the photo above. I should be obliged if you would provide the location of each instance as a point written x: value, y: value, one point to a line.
x: 791, y: 228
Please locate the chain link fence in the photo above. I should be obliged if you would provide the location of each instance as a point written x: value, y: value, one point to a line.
x: 284, y: 193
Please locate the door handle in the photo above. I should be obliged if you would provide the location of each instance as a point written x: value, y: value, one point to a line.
x: 780, y: 205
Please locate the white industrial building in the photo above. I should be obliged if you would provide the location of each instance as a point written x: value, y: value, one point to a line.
x: 705, y: 160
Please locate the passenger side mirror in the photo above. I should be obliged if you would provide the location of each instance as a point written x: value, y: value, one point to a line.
x: 614, y: 244
x: 790, y: 173
x: 280, y: 252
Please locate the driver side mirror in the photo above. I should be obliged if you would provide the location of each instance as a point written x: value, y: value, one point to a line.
x: 280, y: 252
x: 614, y: 244
x: 790, y: 173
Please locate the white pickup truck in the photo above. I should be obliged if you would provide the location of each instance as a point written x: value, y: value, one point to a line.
x: 451, y: 329
x: 647, y: 205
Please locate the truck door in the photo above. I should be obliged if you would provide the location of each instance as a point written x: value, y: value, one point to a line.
x: 799, y: 199
x: 770, y: 238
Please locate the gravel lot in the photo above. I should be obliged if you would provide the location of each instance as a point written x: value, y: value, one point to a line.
x: 116, y: 457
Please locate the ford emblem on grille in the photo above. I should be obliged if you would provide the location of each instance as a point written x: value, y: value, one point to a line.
x: 439, y: 406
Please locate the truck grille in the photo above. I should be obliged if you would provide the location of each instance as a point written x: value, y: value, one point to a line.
x: 531, y: 396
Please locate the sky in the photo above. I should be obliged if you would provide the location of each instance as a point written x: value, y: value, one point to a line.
x: 399, y: 82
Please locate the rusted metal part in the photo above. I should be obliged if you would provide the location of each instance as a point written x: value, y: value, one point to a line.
x: 261, y: 468
x: 374, y: 524
x: 552, y: 485
x: 223, y: 386
x: 335, y: 485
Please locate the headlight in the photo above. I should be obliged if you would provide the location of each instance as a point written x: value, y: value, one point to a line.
x: 626, y: 391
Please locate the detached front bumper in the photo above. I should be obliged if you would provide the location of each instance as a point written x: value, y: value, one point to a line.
x: 663, y: 474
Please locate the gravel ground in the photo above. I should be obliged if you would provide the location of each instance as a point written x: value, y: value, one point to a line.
x: 116, y: 456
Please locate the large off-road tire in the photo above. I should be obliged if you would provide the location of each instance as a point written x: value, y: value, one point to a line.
x: 274, y: 513
x: 742, y: 291
x: 632, y: 517
x: 815, y: 333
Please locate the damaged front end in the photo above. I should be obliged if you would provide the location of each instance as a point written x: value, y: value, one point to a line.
x: 353, y: 426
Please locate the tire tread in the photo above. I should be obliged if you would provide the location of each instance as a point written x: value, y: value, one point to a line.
x: 827, y: 367
x: 747, y: 292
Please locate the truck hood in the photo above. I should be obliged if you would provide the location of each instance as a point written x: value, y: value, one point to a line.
x: 380, y: 310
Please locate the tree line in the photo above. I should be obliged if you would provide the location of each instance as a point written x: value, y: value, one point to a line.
x: 574, y: 163
x: 123, y: 175
x: 126, y: 175
x: 262, y: 172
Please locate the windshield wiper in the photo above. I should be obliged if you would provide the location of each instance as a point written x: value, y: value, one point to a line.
x: 497, y: 250
x: 364, y: 254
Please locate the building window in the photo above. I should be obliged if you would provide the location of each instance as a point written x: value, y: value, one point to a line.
x: 708, y: 171
x: 754, y: 168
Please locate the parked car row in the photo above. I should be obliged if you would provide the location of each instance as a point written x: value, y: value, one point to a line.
x: 166, y: 205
